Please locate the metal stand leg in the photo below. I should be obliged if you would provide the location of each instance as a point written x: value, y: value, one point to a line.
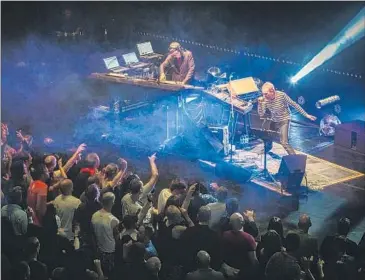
x: 265, y: 172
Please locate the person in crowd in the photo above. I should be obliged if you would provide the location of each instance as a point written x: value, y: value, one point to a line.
x: 37, y: 192
x: 14, y: 225
x: 270, y: 244
x: 201, y: 237
x: 204, y: 272
x: 6, y: 150
x: 178, y: 66
x: 238, y: 249
x: 284, y: 264
x: 129, y: 227
x: 232, y: 206
x: 85, y: 211
x: 105, y: 229
x: 308, y: 244
x: 201, y: 197
x: 176, y: 188
x: 17, y: 217
x: 134, y: 201
x: 19, y: 173
x: 66, y: 205
x: 276, y: 224
x: 145, y: 234
x: 334, y: 247
x: 167, y: 239
x: 51, y: 162
x: 21, y: 271
x: 154, y: 266
x: 114, y: 174
x: 38, y: 270
x: 90, y: 168
x: 218, y: 209
x: 135, y: 266
x: 55, y: 246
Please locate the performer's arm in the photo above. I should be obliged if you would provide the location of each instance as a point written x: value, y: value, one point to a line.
x: 295, y: 105
x: 261, y: 106
x: 164, y: 65
x: 190, y: 73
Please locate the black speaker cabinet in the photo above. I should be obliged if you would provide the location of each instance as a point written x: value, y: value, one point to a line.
x: 351, y: 135
x: 291, y: 171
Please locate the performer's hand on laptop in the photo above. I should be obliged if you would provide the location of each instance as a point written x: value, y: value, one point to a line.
x: 162, y: 77
x: 312, y: 118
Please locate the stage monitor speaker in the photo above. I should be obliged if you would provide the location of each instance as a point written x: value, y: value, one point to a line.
x: 291, y: 171
x: 232, y: 172
x: 242, y: 86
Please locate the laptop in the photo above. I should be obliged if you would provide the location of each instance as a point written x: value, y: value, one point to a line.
x: 145, y: 50
x: 132, y: 61
x: 112, y: 64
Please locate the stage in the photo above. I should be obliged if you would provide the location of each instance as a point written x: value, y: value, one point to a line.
x: 320, y: 173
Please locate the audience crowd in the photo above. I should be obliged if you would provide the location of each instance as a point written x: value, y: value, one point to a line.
x: 78, y: 219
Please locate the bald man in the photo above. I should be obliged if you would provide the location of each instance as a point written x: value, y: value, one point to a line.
x: 154, y: 266
x: 308, y: 244
x: 204, y: 272
x: 239, y: 247
x: 277, y: 103
x: 179, y: 64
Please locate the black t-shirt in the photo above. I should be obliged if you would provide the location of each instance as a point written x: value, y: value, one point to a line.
x: 201, y: 237
x: 38, y: 270
x: 83, y: 215
x: 333, y: 247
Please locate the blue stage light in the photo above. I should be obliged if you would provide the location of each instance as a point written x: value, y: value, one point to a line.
x: 353, y: 32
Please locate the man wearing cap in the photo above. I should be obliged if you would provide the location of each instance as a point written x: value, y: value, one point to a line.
x: 179, y: 64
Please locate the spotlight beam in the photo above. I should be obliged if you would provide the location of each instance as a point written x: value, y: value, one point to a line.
x: 353, y: 32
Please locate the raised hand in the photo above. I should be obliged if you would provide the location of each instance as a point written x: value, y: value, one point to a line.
x: 249, y: 214
x: 122, y: 162
x: 81, y: 148
x: 20, y: 135
x: 153, y: 157
x: 192, y: 189
x: 60, y: 163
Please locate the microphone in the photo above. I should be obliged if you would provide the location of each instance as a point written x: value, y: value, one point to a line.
x: 329, y: 100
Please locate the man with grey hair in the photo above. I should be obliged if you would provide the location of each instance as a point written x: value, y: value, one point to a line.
x: 105, y: 229
x: 238, y: 247
x: 201, y: 237
x: 204, y: 272
x: 277, y: 102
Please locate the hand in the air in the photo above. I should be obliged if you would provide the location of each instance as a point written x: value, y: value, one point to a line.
x: 162, y: 77
x: 152, y: 158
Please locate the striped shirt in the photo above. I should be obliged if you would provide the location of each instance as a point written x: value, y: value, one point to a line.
x: 279, y: 107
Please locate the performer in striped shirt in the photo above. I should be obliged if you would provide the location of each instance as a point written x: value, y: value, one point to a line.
x: 277, y: 102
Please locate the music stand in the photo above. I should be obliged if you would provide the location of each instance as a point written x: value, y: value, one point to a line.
x: 266, y: 136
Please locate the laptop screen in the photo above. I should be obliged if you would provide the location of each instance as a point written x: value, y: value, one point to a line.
x: 111, y: 62
x: 145, y: 48
x: 130, y: 58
